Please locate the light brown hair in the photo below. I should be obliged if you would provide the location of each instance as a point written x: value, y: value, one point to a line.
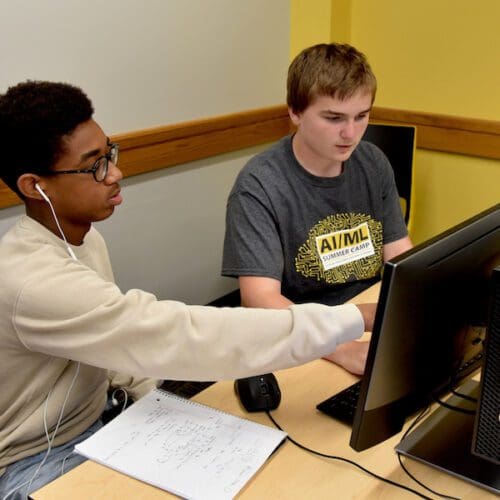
x: 335, y: 70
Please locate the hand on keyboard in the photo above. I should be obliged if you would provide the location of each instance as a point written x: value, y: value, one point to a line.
x: 351, y: 356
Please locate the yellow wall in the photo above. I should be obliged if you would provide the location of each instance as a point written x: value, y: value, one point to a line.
x: 318, y: 21
x: 310, y: 23
x: 449, y: 189
x: 432, y: 56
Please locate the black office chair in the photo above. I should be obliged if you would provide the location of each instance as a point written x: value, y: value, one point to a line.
x: 231, y: 299
x: 398, y: 142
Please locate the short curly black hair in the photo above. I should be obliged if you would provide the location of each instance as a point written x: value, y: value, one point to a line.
x: 35, y: 116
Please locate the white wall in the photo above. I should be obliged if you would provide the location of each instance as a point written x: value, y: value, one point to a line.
x: 167, y: 236
x: 148, y: 63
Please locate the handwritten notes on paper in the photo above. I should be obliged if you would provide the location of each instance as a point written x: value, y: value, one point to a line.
x: 181, y: 446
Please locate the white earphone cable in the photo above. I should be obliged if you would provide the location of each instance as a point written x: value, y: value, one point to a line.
x: 47, y: 199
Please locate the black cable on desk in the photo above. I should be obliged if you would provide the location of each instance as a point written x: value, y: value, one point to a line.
x: 343, y: 459
x: 452, y: 407
x: 464, y: 396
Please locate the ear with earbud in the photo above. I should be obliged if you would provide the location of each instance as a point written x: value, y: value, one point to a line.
x: 42, y: 192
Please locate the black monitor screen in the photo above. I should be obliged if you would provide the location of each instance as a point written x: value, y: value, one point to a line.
x: 430, y: 321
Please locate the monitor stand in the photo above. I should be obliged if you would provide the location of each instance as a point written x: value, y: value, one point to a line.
x: 443, y: 440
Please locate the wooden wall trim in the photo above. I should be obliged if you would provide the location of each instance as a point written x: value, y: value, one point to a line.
x: 451, y: 134
x: 160, y: 147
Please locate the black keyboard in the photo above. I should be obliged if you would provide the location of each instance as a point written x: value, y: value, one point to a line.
x: 342, y: 406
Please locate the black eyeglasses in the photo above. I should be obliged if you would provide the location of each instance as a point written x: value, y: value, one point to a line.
x: 100, y: 167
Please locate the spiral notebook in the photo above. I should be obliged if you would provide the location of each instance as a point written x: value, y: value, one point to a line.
x: 182, y: 446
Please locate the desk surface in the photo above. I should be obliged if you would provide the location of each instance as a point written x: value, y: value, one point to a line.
x: 290, y: 473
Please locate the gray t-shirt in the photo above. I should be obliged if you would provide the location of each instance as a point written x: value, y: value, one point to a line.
x: 321, y: 237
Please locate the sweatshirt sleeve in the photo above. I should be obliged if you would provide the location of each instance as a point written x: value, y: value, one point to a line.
x: 79, y: 316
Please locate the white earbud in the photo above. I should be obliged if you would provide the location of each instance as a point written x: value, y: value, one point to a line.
x: 114, y: 399
x: 42, y: 193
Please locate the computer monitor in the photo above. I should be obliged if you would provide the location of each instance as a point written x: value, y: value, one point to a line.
x: 430, y: 321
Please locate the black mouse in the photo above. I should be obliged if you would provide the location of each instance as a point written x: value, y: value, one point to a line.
x: 258, y: 393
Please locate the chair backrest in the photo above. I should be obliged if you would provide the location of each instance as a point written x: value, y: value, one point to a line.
x: 398, y: 142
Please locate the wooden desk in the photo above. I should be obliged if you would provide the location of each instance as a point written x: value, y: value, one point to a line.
x: 290, y: 473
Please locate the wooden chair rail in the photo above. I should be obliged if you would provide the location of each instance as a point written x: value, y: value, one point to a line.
x: 450, y: 134
x: 160, y: 147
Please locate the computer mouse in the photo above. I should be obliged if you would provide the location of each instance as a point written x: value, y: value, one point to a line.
x: 258, y: 393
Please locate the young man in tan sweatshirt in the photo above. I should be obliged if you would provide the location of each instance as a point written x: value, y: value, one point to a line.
x: 66, y: 329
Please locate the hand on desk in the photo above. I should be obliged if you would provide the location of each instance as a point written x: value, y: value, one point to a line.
x: 351, y: 356
x: 368, y: 313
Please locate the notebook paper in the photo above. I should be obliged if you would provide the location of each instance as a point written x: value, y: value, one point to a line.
x: 182, y: 446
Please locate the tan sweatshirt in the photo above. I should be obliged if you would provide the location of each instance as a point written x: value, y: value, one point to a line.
x: 56, y: 312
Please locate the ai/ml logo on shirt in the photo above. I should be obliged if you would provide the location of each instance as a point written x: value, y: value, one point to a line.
x: 341, y: 247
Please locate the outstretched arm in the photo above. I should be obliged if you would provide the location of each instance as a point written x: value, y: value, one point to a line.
x: 257, y: 291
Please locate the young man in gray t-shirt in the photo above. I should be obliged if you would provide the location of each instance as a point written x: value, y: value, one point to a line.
x: 313, y: 218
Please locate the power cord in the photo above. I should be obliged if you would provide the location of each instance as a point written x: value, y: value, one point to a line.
x: 452, y: 407
x: 449, y: 406
x: 343, y: 459
x: 464, y: 396
x: 418, y: 418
